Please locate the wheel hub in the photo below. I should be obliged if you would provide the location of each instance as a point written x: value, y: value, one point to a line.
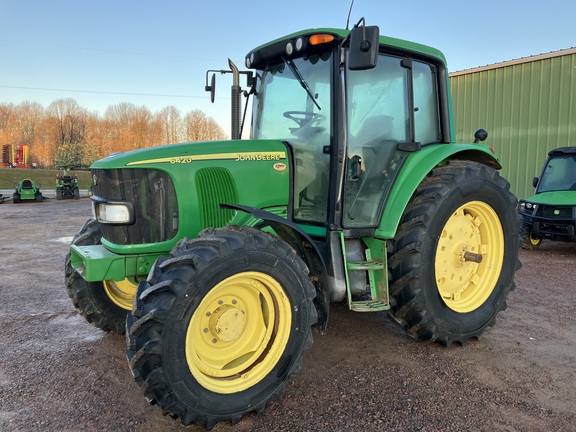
x: 238, y: 332
x: 227, y: 323
x: 469, y: 256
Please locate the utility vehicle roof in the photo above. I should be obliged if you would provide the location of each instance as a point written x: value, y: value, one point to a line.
x: 562, y: 150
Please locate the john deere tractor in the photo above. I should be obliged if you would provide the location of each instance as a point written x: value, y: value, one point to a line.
x: 66, y: 186
x: 219, y: 257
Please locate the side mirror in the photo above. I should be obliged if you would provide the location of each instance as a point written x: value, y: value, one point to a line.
x: 212, y: 87
x: 480, y: 135
x: 535, y: 181
x: 364, y: 45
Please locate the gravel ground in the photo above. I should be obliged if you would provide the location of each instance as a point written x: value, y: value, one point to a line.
x: 58, y: 373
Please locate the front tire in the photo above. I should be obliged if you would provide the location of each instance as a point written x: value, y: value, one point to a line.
x: 106, y: 303
x: 531, y: 242
x: 220, y: 325
x: 455, y: 254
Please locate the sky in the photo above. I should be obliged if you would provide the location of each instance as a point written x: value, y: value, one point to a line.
x: 156, y: 53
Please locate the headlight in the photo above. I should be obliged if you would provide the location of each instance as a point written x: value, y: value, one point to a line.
x: 526, y: 207
x: 113, y: 213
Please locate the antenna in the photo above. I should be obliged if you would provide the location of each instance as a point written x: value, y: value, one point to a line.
x: 349, y: 13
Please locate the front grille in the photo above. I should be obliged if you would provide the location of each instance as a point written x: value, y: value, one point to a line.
x: 155, y: 205
x: 553, y: 212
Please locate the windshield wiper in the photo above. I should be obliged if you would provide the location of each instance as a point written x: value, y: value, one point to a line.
x: 300, y: 79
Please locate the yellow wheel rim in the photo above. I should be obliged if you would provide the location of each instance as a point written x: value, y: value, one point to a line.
x: 473, y: 233
x: 121, y: 293
x: 238, y: 332
x: 534, y: 241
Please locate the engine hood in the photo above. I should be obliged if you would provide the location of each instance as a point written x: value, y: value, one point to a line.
x: 188, y: 153
x: 554, y: 198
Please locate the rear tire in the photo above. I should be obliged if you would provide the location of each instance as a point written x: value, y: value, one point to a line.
x: 461, y: 211
x: 76, y: 194
x: 220, y: 325
x: 58, y: 194
x: 103, y: 304
x: 16, y: 198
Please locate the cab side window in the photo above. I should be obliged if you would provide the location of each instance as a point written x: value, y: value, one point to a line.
x: 426, y: 115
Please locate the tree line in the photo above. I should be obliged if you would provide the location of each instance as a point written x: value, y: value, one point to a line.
x: 66, y: 134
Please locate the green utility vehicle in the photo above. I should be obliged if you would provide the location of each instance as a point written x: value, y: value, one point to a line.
x: 223, y: 255
x: 27, y: 190
x: 66, y: 186
x: 551, y: 212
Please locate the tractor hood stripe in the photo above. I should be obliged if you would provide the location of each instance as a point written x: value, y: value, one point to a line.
x: 239, y: 157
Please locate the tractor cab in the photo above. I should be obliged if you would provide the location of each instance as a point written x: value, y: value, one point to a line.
x: 350, y: 125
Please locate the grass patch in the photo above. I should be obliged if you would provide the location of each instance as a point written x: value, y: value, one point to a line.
x: 9, y: 177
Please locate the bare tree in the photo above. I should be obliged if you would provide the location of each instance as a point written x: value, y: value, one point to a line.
x: 129, y: 127
x: 171, y: 120
x: 118, y: 120
x: 30, y: 115
x: 67, y: 131
x: 200, y: 127
x: 6, y: 117
x: 67, y: 120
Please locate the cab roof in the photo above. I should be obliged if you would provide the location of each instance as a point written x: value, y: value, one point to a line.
x: 391, y: 43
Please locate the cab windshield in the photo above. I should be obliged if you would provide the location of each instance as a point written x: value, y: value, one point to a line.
x: 292, y: 103
x: 559, y: 174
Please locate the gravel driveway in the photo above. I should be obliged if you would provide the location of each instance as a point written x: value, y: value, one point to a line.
x: 58, y: 373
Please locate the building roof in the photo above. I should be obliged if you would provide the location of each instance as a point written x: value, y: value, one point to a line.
x: 520, y: 60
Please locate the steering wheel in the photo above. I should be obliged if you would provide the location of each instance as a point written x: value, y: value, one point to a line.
x: 302, y: 118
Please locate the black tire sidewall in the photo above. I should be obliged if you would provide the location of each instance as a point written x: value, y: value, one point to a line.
x: 188, y: 389
x: 90, y: 298
x: 488, y: 192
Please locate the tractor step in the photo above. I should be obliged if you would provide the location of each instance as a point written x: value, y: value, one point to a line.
x: 365, y: 265
x: 376, y: 303
x: 368, y: 306
x: 376, y: 269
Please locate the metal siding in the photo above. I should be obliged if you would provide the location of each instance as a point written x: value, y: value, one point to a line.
x: 528, y: 109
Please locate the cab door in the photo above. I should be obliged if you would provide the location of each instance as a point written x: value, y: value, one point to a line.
x: 392, y: 109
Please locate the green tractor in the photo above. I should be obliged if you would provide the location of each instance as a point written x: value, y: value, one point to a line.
x: 551, y: 212
x: 27, y: 190
x: 219, y: 257
x: 66, y: 186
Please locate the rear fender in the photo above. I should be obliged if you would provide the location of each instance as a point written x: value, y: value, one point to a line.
x: 417, y: 166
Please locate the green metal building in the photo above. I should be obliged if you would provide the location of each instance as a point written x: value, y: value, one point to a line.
x: 527, y: 105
